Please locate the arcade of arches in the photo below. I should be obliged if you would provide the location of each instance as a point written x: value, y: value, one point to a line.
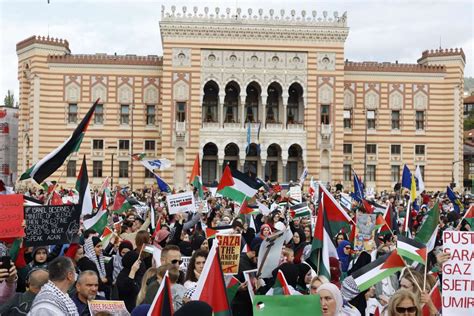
x: 269, y: 165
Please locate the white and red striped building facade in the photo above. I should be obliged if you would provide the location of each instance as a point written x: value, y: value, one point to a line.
x: 225, y: 79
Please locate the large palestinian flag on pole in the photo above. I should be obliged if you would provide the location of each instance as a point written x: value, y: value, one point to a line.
x: 378, y: 270
x: 195, y: 178
x: 237, y: 186
x: 211, y: 287
x: 322, y: 247
x: 162, y: 304
x: 82, y: 186
x: 337, y: 217
x: 49, y: 164
x: 429, y: 229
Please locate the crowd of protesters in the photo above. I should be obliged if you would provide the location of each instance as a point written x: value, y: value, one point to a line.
x: 62, y: 279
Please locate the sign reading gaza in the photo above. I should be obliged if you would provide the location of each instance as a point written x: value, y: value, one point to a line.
x: 458, y: 273
x: 51, y: 225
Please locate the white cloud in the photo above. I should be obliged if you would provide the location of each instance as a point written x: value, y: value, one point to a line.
x: 379, y: 30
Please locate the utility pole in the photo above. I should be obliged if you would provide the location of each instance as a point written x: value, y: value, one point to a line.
x: 130, y: 176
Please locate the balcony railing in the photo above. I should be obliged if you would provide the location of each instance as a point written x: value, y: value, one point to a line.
x: 326, y: 130
x: 180, y: 128
x: 275, y: 126
x: 295, y: 127
x: 210, y: 125
x: 232, y: 125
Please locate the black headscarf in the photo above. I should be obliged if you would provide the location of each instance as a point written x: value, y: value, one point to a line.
x: 290, y: 271
x: 129, y: 259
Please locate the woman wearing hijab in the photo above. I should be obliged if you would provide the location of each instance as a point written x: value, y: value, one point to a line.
x: 290, y: 271
x: 298, y: 245
x: 127, y: 284
x: 305, y: 275
x: 360, y: 301
x: 331, y: 299
x: 114, y: 266
x: 344, y: 254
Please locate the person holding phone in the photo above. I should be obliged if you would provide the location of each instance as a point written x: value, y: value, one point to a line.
x: 8, y: 278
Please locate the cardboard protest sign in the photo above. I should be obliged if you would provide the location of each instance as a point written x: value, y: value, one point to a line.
x: 269, y: 254
x: 11, y: 216
x: 283, y: 305
x: 458, y: 273
x: 252, y: 282
x: 51, y: 225
x: 184, y: 266
x: 295, y: 193
x: 229, y: 252
x: 365, y: 232
x: 181, y: 202
x: 116, y: 308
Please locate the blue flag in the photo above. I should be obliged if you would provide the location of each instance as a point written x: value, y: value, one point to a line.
x: 458, y: 207
x: 248, y: 138
x: 406, y: 178
x: 164, y: 187
x: 358, y: 189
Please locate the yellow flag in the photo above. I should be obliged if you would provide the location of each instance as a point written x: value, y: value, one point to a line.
x: 413, y: 188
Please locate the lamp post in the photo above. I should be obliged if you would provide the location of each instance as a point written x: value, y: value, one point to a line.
x: 453, y: 184
x: 113, y: 148
x: 131, y: 149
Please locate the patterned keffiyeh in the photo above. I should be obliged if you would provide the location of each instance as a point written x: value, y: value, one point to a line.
x: 90, y: 253
x: 51, y: 294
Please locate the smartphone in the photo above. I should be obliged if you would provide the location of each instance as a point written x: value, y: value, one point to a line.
x: 5, y: 262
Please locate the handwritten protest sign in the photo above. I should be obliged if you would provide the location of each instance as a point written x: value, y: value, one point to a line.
x: 229, y: 252
x: 116, y: 308
x: 11, y: 215
x: 295, y: 193
x: 458, y: 273
x: 181, y: 202
x: 51, y: 225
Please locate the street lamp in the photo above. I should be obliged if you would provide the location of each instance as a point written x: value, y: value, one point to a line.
x: 113, y: 148
x: 130, y: 176
x: 365, y: 147
x: 453, y: 184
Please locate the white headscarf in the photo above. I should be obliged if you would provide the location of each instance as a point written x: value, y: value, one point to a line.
x: 336, y: 294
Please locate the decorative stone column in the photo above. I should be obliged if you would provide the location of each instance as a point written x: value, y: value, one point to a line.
x: 284, y: 161
x: 242, y: 112
x: 285, y: 119
x: 220, y: 108
x: 263, y: 162
x: 263, y: 116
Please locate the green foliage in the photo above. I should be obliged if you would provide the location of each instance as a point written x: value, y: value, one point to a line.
x: 9, y: 99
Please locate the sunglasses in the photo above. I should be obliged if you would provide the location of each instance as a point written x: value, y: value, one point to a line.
x: 403, y: 310
x: 175, y: 261
x: 348, y: 248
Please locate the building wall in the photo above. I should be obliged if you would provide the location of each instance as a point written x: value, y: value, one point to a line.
x: 432, y: 85
x: 8, y: 144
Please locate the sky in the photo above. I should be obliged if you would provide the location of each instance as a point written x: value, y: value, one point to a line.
x: 380, y: 30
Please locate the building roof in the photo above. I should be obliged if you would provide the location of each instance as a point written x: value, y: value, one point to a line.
x: 469, y: 100
x: 392, y: 67
x: 150, y: 60
x: 443, y: 52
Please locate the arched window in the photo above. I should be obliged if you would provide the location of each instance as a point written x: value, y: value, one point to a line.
x: 231, y: 103
x: 273, y: 103
x: 210, y: 101
x: 295, y: 156
x: 209, y: 164
x: 295, y: 104
x: 251, y: 102
x: 231, y: 157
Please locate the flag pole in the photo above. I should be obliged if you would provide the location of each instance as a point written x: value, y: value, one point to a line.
x: 411, y: 274
x: 424, y: 277
x: 59, y: 179
x: 464, y: 217
x: 319, y: 259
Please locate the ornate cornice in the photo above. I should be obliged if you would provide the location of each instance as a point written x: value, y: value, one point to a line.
x: 443, y: 53
x: 105, y: 59
x: 238, y: 26
x: 392, y: 67
x: 42, y: 40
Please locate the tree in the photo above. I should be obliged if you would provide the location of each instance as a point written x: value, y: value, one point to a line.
x: 9, y: 99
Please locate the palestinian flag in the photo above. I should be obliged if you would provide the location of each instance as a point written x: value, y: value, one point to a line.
x: 411, y: 249
x: 300, y: 210
x: 237, y: 186
x: 56, y: 199
x: 106, y: 235
x: 48, y: 186
x: 103, y: 202
x: 435, y: 295
x: 322, y: 247
x: 337, y: 217
x: 98, y: 222
x: 121, y: 204
x: 82, y: 186
x: 469, y: 217
x: 163, y: 302
x: 232, y: 286
x: 281, y: 286
x: 383, y: 222
x: 138, y: 157
x: 378, y: 270
x: 211, y: 233
x: 246, y: 209
x: 429, y: 229
x: 17, y: 253
x: 369, y: 209
x: 49, y: 164
x: 195, y: 178
x: 211, y: 287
